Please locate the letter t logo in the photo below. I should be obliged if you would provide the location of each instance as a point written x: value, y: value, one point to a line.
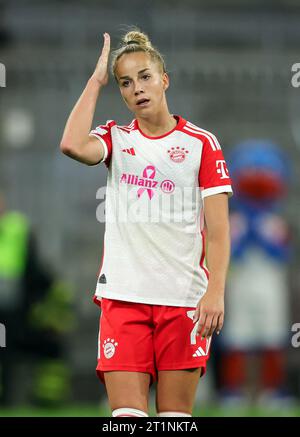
x: 222, y: 169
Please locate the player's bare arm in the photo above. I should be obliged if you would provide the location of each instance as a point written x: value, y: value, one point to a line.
x: 210, y: 309
x: 76, y: 142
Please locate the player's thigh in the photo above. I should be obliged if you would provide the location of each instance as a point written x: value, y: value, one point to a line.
x: 176, y: 390
x: 127, y: 389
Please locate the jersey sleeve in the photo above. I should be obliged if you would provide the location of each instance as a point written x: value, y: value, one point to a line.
x: 214, y: 177
x: 103, y: 133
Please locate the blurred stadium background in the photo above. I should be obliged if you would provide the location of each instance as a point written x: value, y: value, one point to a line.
x: 230, y: 67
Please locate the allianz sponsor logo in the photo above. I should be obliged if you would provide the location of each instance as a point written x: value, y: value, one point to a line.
x: 132, y: 179
x: 147, y: 182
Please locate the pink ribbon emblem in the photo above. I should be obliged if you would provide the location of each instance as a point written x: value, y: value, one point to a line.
x: 148, y: 173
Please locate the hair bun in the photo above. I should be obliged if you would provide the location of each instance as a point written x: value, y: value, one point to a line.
x: 132, y: 42
x: 137, y: 37
x: 136, y: 41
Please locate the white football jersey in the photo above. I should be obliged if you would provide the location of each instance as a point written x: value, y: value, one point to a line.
x: 154, y: 248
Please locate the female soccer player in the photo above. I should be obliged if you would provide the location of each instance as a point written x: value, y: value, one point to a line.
x: 166, y: 177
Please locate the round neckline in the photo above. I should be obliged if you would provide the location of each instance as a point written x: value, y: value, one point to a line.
x: 180, y: 122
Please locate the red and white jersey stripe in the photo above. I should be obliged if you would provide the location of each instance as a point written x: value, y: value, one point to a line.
x: 212, y: 139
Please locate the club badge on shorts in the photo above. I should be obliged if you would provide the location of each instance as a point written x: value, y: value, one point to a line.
x: 109, y: 348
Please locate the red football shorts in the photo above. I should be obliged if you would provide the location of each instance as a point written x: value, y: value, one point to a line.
x: 139, y: 337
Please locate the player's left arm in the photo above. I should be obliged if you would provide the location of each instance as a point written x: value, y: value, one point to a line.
x: 210, y: 308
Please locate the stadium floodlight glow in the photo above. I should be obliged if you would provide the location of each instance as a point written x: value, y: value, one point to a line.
x: 2, y: 76
x: 2, y: 335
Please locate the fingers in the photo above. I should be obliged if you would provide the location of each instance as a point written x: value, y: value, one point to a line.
x: 201, y: 324
x: 101, y: 70
x: 106, y: 45
x: 208, y: 324
x: 196, y: 315
x: 105, y: 49
x: 220, y: 323
x: 213, y: 326
x: 206, y: 327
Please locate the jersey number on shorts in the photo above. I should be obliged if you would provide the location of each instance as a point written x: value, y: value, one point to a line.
x: 190, y: 315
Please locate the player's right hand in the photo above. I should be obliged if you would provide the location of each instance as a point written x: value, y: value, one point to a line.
x: 101, y: 70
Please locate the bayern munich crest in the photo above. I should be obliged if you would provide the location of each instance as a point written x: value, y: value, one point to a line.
x: 109, y: 347
x: 177, y: 154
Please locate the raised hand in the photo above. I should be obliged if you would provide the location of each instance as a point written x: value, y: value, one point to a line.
x: 101, y: 70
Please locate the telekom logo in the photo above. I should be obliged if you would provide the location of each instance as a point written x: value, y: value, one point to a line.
x: 222, y: 169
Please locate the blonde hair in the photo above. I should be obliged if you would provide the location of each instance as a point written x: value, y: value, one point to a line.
x: 136, y: 41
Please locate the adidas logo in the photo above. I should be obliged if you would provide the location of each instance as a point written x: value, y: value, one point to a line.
x: 199, y: 353
x: 131, y: 151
